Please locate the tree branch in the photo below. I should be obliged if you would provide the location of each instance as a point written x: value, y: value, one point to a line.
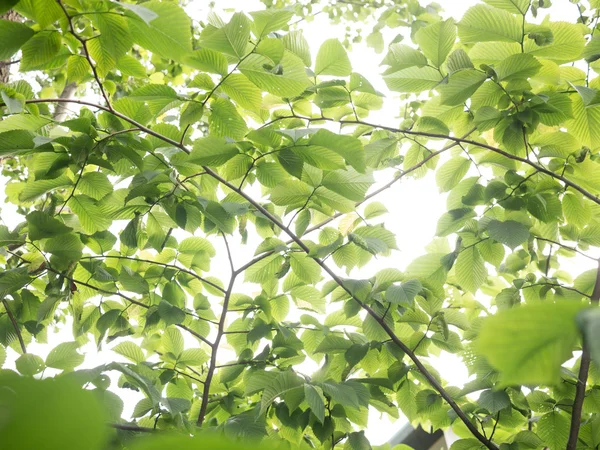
x: 584, y: 367
x: 220, y: 332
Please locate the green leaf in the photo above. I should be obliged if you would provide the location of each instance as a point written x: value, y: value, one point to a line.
x: 305, y: 268
x: 451, y: 172
x: 172, y: 341
x: 314, y: 398
x: 348, y: 147
x: 553, y: 428
x: 264, y: 270
x: 52, y: 403
x: 95, y: 185
x: 39, y: 50
x: 519, y: 66
x: 231, y: 39
x: 413, y: 79
x: 225, y: 121
x: 291, y: 81
x: 291, y: 192
x: 493, y: 401
x: 332, y: 59
x: 41, y: 226
x: 357, y: 441
x: 404, y: 294
x: 436, y: 40
x: 13, y: 35
x: 131, y: 351
x: 65, y: 356
x: 529, y: 344
x: 285, y: 382
x: 461, y: 85
x: 29, y: 364
x: 242, y: 91
x: 168, y: 35
x: 470, y: 269
x: 212, y: 151
x: 295, y: 42
x: 510, y: 233
x: 567, y: 44
x: 348, y: 183
x: 270, y: 20
x: 67, y: 247
x: 89, y: 213
x: 484, y: 23
x: 514, y: 6
x: 208, y: 60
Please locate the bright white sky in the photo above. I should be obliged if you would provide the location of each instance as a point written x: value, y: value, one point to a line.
x: 414, y: 205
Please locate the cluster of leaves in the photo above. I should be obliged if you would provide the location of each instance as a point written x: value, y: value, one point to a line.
x: 203, y: 142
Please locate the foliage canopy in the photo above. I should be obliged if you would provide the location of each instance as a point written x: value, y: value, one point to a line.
x: 187, y: 144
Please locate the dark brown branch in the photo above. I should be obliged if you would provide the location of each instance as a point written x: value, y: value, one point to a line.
x: 539, y: 168
x: 15, y: 326
x: 584, y: 367
x: 432, y: 380
x: 86, y: 53
x: 220, y: 332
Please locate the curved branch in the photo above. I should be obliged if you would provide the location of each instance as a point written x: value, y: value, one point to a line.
x: 584, y: 368
x: 220, y: 332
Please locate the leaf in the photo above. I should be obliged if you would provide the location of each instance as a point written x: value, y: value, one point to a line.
x: 348, y: 183
x: 291, y: 192
x: 509, y: 233
x: 553, y: 428
x: 270, y: 20
x: 436, y: 40
x: 29, y: 364
x: 13, y: 35
x: 285, y: 382
x: 169, y: 35
x: 89, y: 213
x: 357, y: 441
x: 451, y: 172
x: 529, y: 344
x: 493, y: 401
x: 212, y: 151
x: 172, y: 341
x: 35, y: 189
x: 314, y: 398
x: 208, y: 60
x: 461, y: 85
x: 305, y: 268
x: 225, y: 121
x: 567, y: 44
x: 131, y: 351
x: 519, y: 66
x: 67, y: 247
x: 39, y: 50
x: 484, y: 23
x: 513, y: 6
x: 413, y: 79
x: 65, y: 356
x: 264, y: 270
x: 95, y: 185
x: 231, y: 39
x: 404, y: 294
x: 242, y: 91
x: 348, y: 147
x: 470, y: 269
x: 290, y: 82
x: 332, y: 59
x: 41, y: 226
x: 295, y: 42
